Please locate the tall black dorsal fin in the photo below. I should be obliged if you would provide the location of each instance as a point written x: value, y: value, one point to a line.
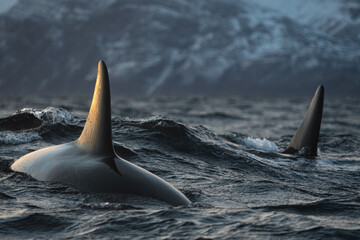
x: 96, y: 136
x: 307, y: 134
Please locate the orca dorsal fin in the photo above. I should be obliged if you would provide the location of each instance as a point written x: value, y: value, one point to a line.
x: 96, y: 136
x: 307, y: 134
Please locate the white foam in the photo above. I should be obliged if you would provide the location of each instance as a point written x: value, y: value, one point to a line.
x: 12, y: 138
x: 55, y: 115
x: 262, y: 144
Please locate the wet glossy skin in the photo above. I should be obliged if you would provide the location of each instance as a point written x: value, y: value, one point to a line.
x: 90, y: 164
x: 307, y: 134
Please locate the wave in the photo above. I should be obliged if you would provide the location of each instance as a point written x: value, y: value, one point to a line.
x: 261, y: 144
x: 4, y: 196
x: 227, y: 175
x: 320, y: 207
x: 169, y: 134
x: 216, y: 115
x: 36, y: 223
x: 50, y: 114
x: 264, y: 144
x: 30, y: 118
x: 29, y: 124
x: 11, y: 138
x: 19, y: 121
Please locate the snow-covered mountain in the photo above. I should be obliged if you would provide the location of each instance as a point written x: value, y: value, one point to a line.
x: 180, y: 46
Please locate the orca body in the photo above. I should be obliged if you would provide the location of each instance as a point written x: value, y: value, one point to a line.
x: 307, y: 135
x: 90, y: 163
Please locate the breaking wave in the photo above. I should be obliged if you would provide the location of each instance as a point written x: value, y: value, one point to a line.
x: 261, y: 144
x: 50, y: 114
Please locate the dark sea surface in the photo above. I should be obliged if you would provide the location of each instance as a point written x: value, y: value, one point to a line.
x: 224, y: 154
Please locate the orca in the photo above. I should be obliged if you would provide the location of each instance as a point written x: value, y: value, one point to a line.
x: 307, y: 135
x: 90, y: 163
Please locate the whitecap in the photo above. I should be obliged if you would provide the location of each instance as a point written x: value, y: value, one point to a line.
x: 52, y: 114
x: 262, y: 144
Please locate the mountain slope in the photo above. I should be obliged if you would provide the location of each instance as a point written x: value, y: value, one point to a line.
x: 181, y: 47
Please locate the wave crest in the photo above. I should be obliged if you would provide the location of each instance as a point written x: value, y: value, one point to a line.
x: 261, y: 144
x: 50, y: 114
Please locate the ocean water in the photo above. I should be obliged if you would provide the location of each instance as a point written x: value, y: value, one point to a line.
x: 224, y: 154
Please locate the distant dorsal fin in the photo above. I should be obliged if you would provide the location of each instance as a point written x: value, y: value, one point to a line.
x: 307, y: 134
x: 96, y: 136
